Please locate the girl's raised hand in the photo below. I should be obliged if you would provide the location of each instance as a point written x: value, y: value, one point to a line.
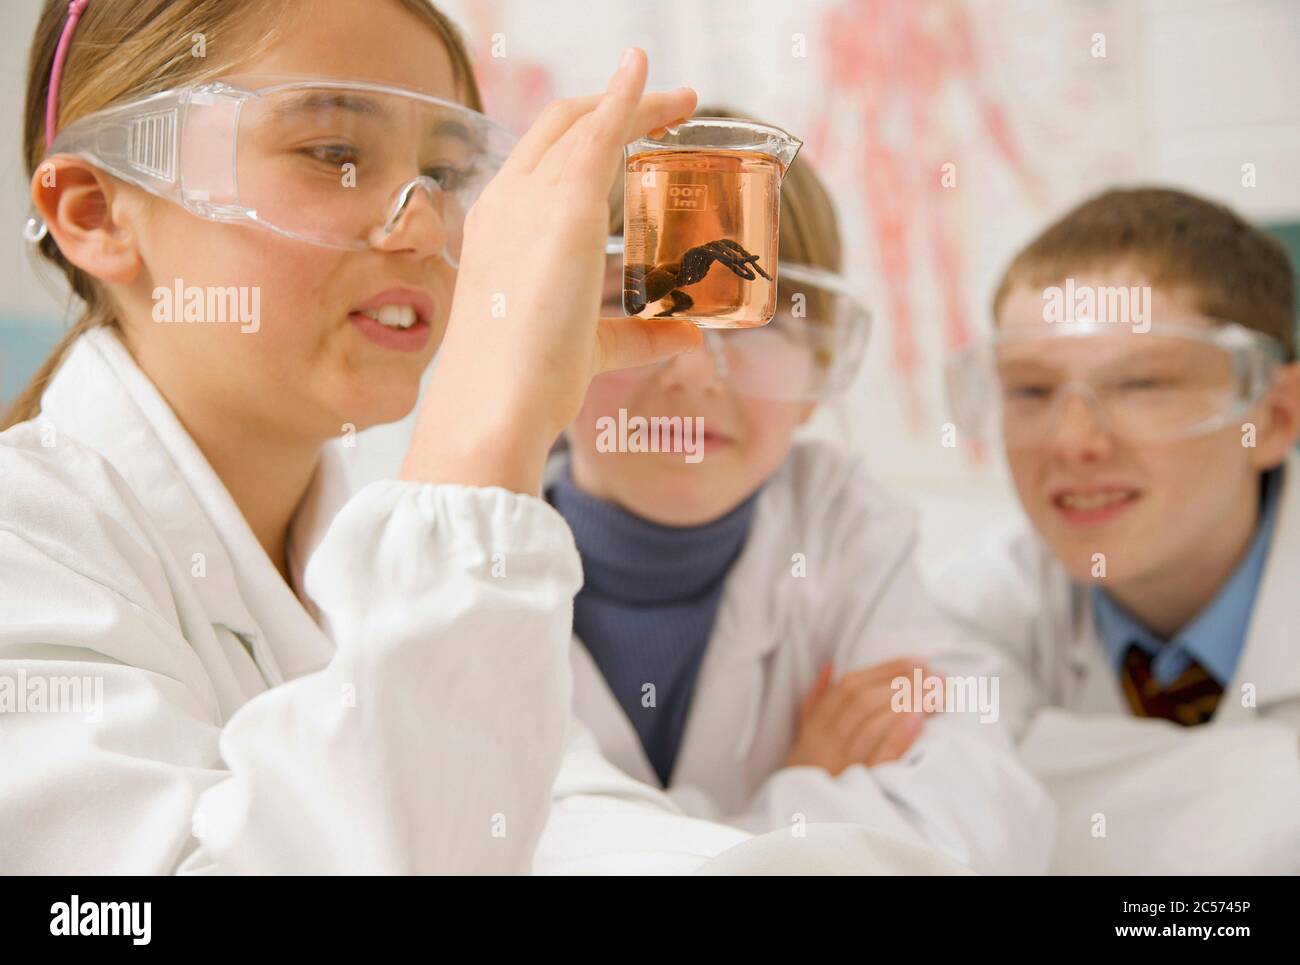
x: 525, y: 337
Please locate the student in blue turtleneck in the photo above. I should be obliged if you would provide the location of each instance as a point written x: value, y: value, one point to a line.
x: 750, y: 602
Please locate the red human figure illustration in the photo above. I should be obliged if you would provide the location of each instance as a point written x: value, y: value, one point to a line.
x: 892, y: 66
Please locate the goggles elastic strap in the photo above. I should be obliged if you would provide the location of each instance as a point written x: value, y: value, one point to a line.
x: 75, y: 9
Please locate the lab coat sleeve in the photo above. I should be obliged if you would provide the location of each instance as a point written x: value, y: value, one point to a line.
x: 960, y: 788
x: 428, y: 743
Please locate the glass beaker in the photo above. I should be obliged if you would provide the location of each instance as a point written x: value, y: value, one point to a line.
x: 702, y: 205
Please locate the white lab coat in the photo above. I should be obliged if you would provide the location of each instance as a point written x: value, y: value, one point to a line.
x: 959, y: 789
x: 417, y: 721
x: 1138, y: 796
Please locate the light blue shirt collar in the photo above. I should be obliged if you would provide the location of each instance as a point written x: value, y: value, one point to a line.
x: 1217, y: 635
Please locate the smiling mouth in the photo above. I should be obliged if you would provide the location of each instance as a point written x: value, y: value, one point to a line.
x: 397, y: 308
x: 1094, y: 505
x: 711, y: 436
x: 676, y: 436
x: 393, y: 316
x: 398, y: 319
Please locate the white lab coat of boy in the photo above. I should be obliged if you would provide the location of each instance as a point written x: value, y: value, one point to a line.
x: 827, y: 573
x: 1139, y: 796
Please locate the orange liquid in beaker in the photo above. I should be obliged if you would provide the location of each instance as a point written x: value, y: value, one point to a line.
x: 713, y: 212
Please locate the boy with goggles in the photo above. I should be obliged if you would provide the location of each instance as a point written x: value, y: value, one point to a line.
x: 749, y: 599
x: 1142, y: 382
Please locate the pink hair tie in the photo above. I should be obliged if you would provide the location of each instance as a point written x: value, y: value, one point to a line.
x: 75, y: 9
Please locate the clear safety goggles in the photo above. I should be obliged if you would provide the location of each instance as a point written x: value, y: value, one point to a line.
x: 810, y: 350
x: 1178, y: 379
x: 334, y: 163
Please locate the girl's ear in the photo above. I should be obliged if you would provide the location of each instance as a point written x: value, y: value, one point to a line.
x: 1281, y: 412
x: 76, y: 201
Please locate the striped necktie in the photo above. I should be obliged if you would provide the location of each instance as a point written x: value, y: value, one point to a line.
x: 1189, y: 700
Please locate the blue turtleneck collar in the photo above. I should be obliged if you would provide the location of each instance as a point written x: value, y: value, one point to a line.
x: 633, y: 560
x: 647, y: 608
